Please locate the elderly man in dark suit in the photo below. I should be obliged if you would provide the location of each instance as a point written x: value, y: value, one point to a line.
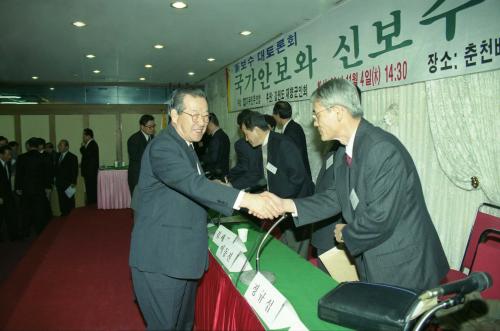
x: 65, y: 177
x: 282, y: 113
x: 248, y: 170
x: 169, y: 249
x: 136, y: 145
x: 284, y: 172
x: 387, y: 229
x: 90, y: 165
x: 33, y: 185
x: 216, y: 158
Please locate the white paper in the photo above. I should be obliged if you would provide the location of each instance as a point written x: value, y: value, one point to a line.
x: 232, y: 258
x: 70, y: 191
x: 271, y: 306
x: 271, y: 168
x: 223, y: 235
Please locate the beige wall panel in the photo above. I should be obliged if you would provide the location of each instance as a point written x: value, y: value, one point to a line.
x: 104, y: 127
x: 7, y: 128
x: 34, y: 126
x: 70, y: 127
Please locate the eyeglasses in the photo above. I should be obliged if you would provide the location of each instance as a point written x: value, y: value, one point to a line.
x: 315, y: 114
x: 150, y: 126
x: 197, y: 117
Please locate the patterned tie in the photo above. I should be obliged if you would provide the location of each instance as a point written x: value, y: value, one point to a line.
x: 195, y: 158
x: 348, y: 160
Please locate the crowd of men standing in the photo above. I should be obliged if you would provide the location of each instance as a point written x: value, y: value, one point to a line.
x: 28, y: 179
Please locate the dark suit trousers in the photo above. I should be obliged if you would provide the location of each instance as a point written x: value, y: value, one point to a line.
x: 166, y: 303
x: 8, y: 216
x: 91, y: 188
x: 34, y: 212
x: 65, y: 204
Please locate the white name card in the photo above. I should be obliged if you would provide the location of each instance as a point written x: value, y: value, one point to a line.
x: 232, y: 258
x: 223, y: 235
x: 271, y: 306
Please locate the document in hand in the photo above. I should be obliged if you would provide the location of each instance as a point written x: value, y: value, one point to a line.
x: 70, y: 191
x: 339, y: 265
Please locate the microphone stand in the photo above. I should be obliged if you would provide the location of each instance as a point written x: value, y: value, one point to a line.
x: 247, y: 276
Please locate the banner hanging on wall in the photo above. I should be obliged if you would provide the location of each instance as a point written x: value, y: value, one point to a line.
x: 375, y: 44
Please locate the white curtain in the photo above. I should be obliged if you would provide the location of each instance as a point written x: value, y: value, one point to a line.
x: 402, y: 111
x: 465, y: 125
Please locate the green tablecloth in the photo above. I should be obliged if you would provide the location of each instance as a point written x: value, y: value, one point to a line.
x: 297, y: 279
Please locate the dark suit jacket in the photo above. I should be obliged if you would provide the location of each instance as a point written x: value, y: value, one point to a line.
x: 323, y: 232
x: 66, y: 171
x: 170, y: 229
x: 32, y: 173
x: 90, y: 159
x: 5, y: 184
x: 390, y: 232
x: 248, y: 170
x: 291, y: 179
x: 216, y: 159
x: 136, y: 145
x: 295, y: 132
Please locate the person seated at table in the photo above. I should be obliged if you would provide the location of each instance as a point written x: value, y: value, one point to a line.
x: 285, y: 173
x: 136, y: 145
x: 248, y: 170
x: 66, y: 174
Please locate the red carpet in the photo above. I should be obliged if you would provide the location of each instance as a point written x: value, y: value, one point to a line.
x: 74, y: 277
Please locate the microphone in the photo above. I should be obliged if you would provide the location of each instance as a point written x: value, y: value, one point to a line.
x: 477, y: 281
x: 247, y: 276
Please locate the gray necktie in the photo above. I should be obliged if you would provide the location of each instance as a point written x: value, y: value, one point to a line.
x: 264, y: 160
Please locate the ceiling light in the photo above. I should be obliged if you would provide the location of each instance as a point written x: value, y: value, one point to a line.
x: 210, y: 59
x: 79, y: 24
x: 158, y: 46
x: 246, y: 33
x: 179, y: 5
x: 142, y: 78
x: 9, y: 97
x: 52, y: 89
x: 90, y: 56
x: 191, y: 73
x: 35, y: 77
x: 148, y: 66
x: 96, y: 71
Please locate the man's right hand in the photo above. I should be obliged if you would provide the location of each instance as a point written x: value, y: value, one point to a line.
x: 261, y: 205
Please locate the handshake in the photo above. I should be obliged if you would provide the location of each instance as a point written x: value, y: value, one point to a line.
x: 266, y: 205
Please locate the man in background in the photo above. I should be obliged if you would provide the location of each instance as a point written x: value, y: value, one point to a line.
x: 7, y: 203
x: 284, y: 172
x: 32, y: 185
x: 248, y: 171
x: 216, y: 159
x: 90, y: 165
x: 65, y: 177
x: 136, y: 145
x: 282, y: 113
x: 3, y: 141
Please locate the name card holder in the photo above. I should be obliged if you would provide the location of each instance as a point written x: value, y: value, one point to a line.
x: 225, y: 236
x: 271, y: 306
x: 233, y: 258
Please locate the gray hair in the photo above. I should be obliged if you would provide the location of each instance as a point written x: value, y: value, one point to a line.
x: 177, y: 99
x: 341, y: 92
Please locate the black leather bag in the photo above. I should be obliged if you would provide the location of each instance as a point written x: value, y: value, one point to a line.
x: 368, y: 306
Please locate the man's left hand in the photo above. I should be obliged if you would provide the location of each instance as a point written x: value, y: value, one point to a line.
x: 338, y: 232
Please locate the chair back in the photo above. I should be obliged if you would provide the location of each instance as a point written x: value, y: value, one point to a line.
x: 483, y: 222
x: 487, y: 259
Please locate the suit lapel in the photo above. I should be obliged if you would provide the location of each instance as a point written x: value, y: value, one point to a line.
x: 191, y: 154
